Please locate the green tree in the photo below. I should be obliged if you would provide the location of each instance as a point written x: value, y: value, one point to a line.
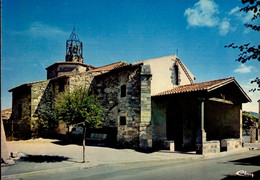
x: 248, y: 51
x: 46, y: 124
x: 249, y: 120
x: 79, y: 108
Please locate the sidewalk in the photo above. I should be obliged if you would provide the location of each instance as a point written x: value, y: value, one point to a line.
x: 46, y: 156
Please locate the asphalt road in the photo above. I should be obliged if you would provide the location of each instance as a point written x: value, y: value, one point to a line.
x: 219, y: 168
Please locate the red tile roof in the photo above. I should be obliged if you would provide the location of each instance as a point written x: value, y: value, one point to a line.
x: 110, y: 67
x: 74, y: 63
x: 6, y: 113
x: 25, y: 85
x: 204, y: 86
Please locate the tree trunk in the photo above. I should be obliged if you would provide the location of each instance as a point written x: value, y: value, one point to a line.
x: 68, y: 134
x: 84, y: 143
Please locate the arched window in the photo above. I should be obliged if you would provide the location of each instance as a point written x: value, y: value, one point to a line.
x: 176, y: 72
x: 175, y: 75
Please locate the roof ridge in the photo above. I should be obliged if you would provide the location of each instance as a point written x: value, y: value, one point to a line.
x: 29, y: 83
x: 154, y: 58
x: 62, y: 62
x: 214, y: 80
x: 112, y: 64
x: 220, y: 81
x: 185, y: 70
x: 197, y: 85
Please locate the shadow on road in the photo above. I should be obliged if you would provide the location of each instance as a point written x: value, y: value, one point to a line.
x: 255, y: 161
x: 251, y: 161
x: 43, y: 158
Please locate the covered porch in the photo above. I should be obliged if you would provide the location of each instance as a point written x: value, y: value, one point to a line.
x: 199, y: 116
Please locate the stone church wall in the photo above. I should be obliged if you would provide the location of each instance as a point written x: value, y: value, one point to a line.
x: 146, y: 125
x: 159, y: 106
x: 41, y: 101
x: 84, y: 80
x: 119, y: 93
x: 125, y: 93
x: 21, y: 112
x: 163, y: 73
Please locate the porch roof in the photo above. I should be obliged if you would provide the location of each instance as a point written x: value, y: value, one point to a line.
x: 203, y: 86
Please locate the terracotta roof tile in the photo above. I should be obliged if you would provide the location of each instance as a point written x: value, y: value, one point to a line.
x: 75, y: 63
x: 204, y: 86
x: 110, y: 67
x: 6, y: 113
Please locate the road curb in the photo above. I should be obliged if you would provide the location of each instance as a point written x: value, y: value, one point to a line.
x: 222, y: 154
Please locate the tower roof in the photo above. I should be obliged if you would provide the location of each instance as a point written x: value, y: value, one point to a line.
x: 73, y: 35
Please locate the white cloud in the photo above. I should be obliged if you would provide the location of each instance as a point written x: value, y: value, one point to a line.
x: 247, y: 17
x: 243, y: 69
x: 38, y: 29
x: 203, y: 13
x: 225, y: 27
x: 254, y: 96
x: 244, y: 17
x: 234, y: 10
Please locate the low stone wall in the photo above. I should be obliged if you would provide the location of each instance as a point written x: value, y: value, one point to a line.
x: 169, y: 145
x: 211, y: 147
x: 230, y: 144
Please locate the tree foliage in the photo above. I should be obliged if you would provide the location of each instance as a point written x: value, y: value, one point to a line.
x: 46, y: 124
x: 25, y: 127
x: 79, y: 107
x: 248, y: 51
x: 249, y: 120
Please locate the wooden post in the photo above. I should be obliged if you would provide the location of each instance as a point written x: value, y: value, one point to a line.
x: 201, y: 134
x: 12, y: 129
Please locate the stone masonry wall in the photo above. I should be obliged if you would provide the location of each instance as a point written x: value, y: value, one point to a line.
x: 145, y: 137
x: 122, y: 113
x: 41, y: 101
x: 128, y: 113
x: 81, y: 80
x: 21, y: 108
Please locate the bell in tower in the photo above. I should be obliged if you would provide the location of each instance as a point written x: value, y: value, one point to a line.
x: 74, y: 48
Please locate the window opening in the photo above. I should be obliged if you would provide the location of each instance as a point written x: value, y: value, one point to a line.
x: 61, y: 86
x: 122, y: 120
x: 123, y: 91
x: 176, y: 73
x: 19, y: 111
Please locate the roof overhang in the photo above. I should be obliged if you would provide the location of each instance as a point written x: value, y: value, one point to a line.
x: 70, y: 63
x: 206, y: 88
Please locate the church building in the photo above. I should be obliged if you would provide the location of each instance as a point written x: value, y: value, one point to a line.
x: 148, y: 104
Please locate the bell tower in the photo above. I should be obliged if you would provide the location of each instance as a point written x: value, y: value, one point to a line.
x: 74, y: 48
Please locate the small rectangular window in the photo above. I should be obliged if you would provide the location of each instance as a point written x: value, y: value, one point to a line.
x: 122, y: 120
x: 61, y: 87
x: 19, y: 111
x: 123, y: 91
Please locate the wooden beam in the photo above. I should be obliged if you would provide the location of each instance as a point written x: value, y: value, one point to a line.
x: 221, y: 100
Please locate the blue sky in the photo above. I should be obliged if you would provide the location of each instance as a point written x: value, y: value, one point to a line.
x: 34, y: 33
